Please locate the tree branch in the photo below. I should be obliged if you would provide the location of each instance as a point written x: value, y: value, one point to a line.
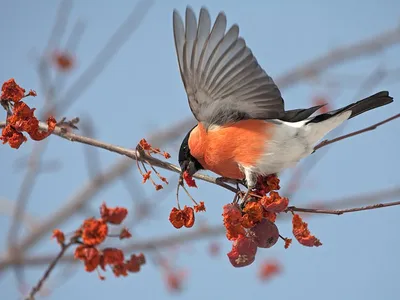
x: 100, y: 61
x: 7, y: 207
x: 341, y: 211
x: 136, y: 155
x: 339, y: 55
x: 90, y: 189
x: 133, y: 154
x: 205, y: 232
x: 24, y: 192
x: 49, y: 269
x: 346, y: 136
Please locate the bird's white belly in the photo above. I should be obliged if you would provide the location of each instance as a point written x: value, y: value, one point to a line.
x: 287, y: 146
x: 291, y: 142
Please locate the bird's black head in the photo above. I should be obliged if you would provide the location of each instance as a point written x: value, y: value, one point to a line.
x: 186, y: 161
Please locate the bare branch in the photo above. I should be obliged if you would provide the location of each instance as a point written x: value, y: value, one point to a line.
x: 116, y: 41
x: 71, y: 45
x: 60, y: 23
x: 352, y: 201
x: 346, y: 136
x: 363, y: 199
x: 136, y: 155
x: 91, y: 188
x: 367, y: 84
x: 58, y: 30
x: 140, y: 246
x: 24, y: 192
x: 202, y: 232
x: 49, y: 269
x: 8, y: 207
x: 368, y: 46
x: 341, y: 211
x: 350, y: 81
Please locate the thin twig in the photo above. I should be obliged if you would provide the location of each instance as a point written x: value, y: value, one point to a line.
x: 25, y: 190
x: 134, y: 154
x: 373, y: 79
x: 196, y: 234
x: 138, y: 246
x: 341, y: 211
x: 49, y: 269
x: 131, y: 153
x: 103, y: 58
x: 60, y: 24
x: 7, y: 207
x: 369, y: 128
x: 91, y: 188
x: 57, y: 32
x: 368, y: 198
x: 71, y: 46
x: 350, y: 81
x: 30, y: 177
x: 362, y: 199
x: 339, y: 55
x: 141, y: 156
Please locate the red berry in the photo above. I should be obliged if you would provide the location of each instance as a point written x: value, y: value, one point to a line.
x: 265, y: 234
x: 243, y: 252
x: 245, y: 245
x: 239, y: 261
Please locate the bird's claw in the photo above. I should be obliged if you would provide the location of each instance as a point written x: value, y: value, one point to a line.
x: 242, y: 198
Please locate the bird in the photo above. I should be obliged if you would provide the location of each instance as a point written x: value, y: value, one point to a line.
x: 243, y: 130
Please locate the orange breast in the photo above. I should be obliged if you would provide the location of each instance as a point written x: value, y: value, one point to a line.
x: 221, y: 149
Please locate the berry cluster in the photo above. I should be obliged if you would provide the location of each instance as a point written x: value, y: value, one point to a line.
x: 253, y: 226
x: 92, y: 233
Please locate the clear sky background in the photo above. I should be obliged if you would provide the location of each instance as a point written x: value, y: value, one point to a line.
x: 140, y: 92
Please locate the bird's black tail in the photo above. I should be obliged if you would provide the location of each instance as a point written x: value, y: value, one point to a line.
x: 359, y: 107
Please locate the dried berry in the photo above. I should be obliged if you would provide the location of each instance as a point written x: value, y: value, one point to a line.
x: 265, y: 234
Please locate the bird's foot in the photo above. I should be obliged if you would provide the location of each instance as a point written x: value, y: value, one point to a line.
x: 242, y: 198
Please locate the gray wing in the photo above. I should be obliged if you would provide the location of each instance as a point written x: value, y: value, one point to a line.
x: 223, y: 80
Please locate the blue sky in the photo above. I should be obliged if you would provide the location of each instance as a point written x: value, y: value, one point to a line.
x: 140, y: 91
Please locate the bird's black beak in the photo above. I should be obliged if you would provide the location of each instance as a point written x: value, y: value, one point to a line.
x: 189, y: 166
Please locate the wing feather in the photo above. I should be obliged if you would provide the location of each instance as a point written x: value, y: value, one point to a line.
x: 216, y: 35
x: 203, y: 32
x: 190, y: 38
x: 223, y: 48
x: 226, y: 67
x: 221, y: 76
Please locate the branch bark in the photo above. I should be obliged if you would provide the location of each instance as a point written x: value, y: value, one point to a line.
x: 346, y: 136
x: 49, y: 269
x: 205, y: 232
x: 91, y: 188
x: 136, y: 155
x: 341, y: 211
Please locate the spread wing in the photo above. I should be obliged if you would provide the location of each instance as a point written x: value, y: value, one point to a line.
x: 223, y: 80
